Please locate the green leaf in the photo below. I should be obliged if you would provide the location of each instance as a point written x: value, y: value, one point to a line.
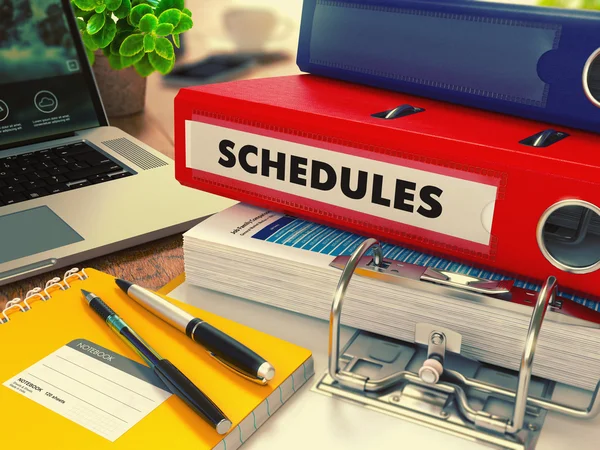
x: 89, y: 42
x: 100, y: 8
x: 127, y: 61
x: 163, y: 5
x: 171, y: 16
x: 176, y: 40
x: 149, y: 43
x: 138, y: 12
x: 143, y: 67
x: 187, y: 12
x: 115, y: 62
x: 115, y: 45
x: 81, y: 24
x: 106, y: 51
x: 185, y: 24
x: 164, y: 29
x: 106, y: 35
x: 123, y: 10
x: 91, y: 56
x: 164, y: 48
x: 164, y: 66
x: 113, y: 5
x: 85, y: 5
x: 148, y: 23
x: 123, y: 25
x: 96, y: 23
x: 132, y: 44
x: 78, y: 12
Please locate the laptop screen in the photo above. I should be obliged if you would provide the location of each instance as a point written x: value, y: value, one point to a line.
x: 45, y: 90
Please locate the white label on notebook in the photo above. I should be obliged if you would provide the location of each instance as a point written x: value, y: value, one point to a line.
x: 432, y: 198
x: 92, y: 386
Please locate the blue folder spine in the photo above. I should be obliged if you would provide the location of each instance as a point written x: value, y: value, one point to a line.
x: 521, y: 60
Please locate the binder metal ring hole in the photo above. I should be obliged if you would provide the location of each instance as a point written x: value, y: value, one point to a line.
x: 568, y: 235
x: 591, y: 78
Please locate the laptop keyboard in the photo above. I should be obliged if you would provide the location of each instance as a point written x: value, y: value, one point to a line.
x: 51, y: 171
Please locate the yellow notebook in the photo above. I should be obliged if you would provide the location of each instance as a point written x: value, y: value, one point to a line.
x: 71, y: 383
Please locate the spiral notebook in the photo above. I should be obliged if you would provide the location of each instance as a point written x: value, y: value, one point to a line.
x: 79, y: 386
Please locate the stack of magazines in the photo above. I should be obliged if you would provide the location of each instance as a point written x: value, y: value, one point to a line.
x: 282, y: 261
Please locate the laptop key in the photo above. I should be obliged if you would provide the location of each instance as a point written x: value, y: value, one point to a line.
x: 4, y: 173
x: 34, y: 184
x: 93, y: 158
x: 46, y: 155
x: 97, y: 170
x: 55, y: 179
x: 23, y: 170
x: 97, y: 179
x: 63, y: 161
x: 2, y: 183
x: 30, y: 161
x: 36, y: 175
x: 79, y: 184
x: 12, y: 190
x: 16, y: 179
x: 36, y: 193
x: 120, y: 175
x: 77, y: 166
x: 44, y: 165
x: 57, y: 170
x: 7, y: 165
x: 26, y: 157
x: 13, y: 198
x: 70, y: 151
x: 59, y: 187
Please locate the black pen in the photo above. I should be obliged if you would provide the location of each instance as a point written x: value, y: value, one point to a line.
x: 224, y: 348
x: 176, y: 381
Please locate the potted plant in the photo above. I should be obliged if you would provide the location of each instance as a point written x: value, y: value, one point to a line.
x: 127, y: 40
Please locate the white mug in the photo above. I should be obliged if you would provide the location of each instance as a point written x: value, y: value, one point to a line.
x: 252, y: 28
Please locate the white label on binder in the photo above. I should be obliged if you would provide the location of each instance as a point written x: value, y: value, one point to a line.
x: 93, y: 387
x: 429, y: 200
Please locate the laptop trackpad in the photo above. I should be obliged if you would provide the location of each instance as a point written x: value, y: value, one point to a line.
x: 32, y: 231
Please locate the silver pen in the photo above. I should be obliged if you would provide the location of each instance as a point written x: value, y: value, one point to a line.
x: 228, y: 351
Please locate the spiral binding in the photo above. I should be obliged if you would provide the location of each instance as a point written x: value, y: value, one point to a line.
x: 42, y: 294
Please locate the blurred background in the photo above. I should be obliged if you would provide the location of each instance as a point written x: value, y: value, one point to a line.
x: 224, y: 20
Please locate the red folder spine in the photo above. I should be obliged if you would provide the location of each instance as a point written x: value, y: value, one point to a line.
x: 512, y: 186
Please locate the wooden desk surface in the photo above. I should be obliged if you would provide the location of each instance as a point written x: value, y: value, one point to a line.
x: 154, y: 264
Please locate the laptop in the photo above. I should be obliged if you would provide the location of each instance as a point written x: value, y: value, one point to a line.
x: 71, y: 186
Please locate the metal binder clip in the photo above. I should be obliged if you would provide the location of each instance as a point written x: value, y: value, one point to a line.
x: 466, y: 282
x: 397, y: 272
x: 433, y: 367
x: 467, y: 287
x: 438, y: 395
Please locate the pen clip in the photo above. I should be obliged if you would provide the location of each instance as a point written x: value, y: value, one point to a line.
x: 261, y: 381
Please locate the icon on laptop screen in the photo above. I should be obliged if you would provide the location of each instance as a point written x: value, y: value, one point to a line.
x: 3, y: 110
x: 73, y: 65
x: 45, y: 101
